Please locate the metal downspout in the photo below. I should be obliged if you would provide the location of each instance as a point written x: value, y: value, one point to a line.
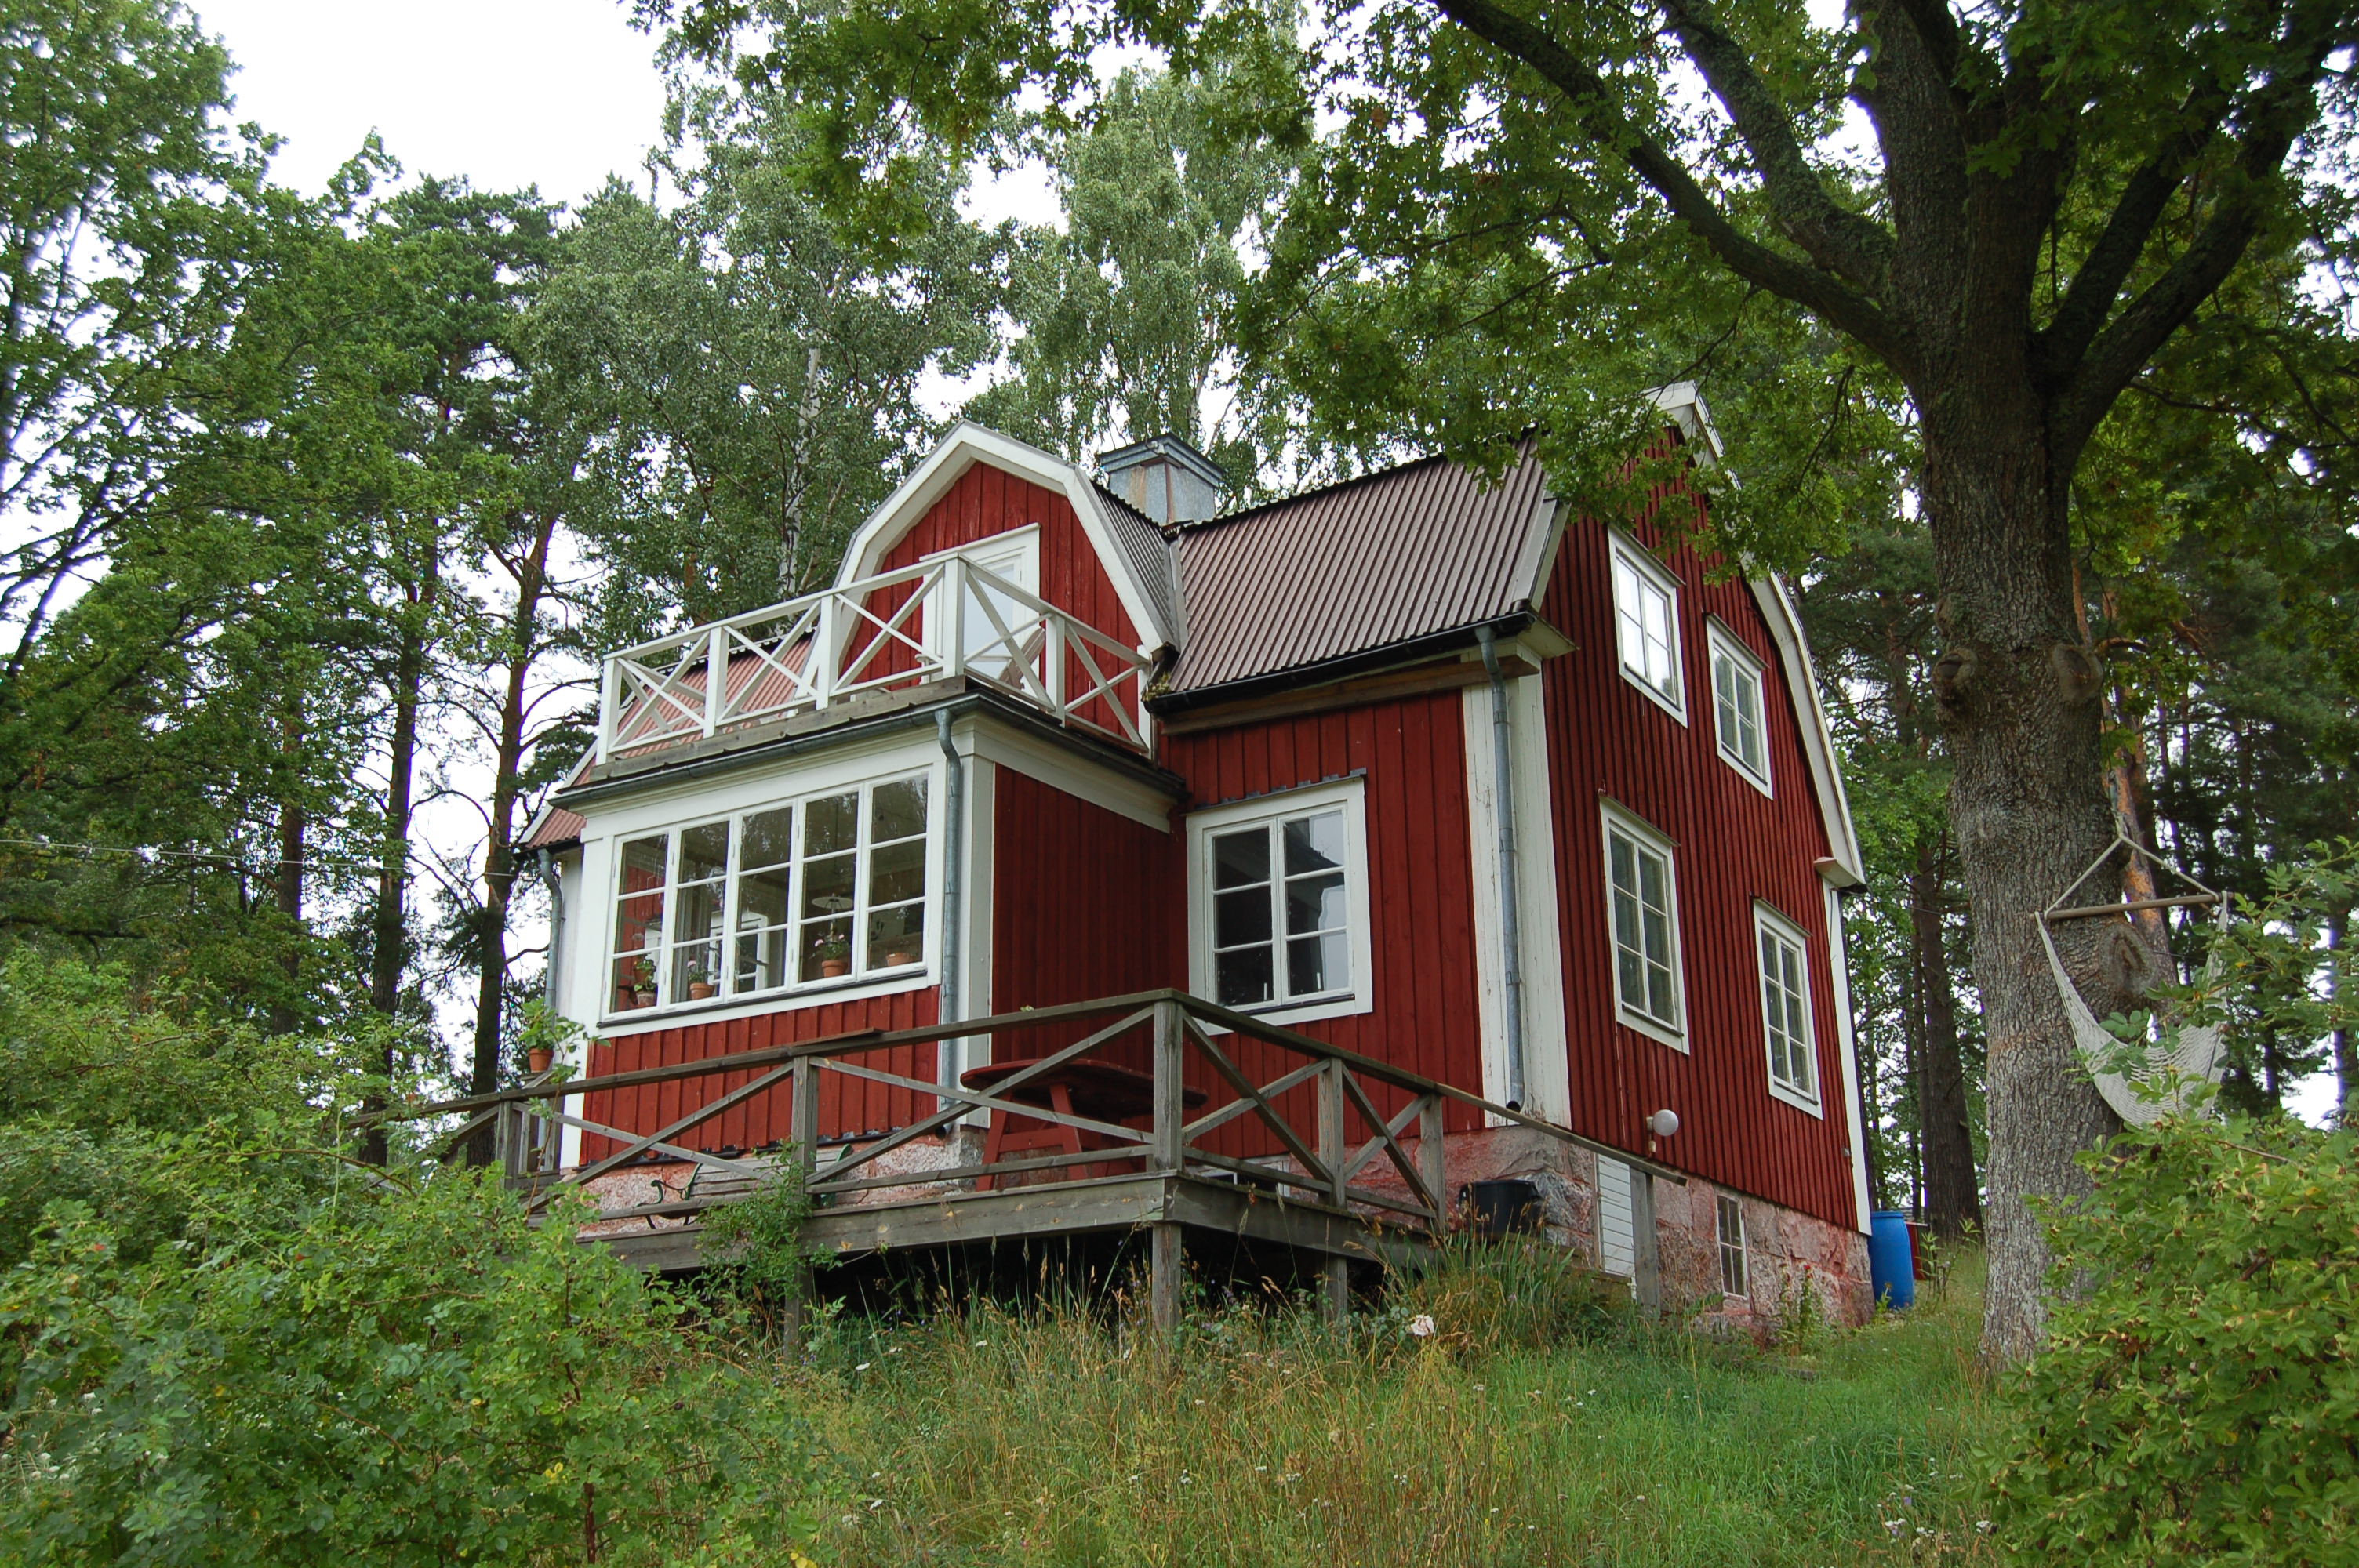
x: 1510, y: 899
x: 556, y: 927
x: 953, y: 857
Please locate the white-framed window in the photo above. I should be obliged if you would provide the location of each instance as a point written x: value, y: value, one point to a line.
x: 1642, y: 910
x: 1014, y: 556
x: 812, y: 890
x: 1730, y: 1224
x: 1277, y: 896
x: 1736, y: 706
x: 1647, y: 624
x: 1783, y: 949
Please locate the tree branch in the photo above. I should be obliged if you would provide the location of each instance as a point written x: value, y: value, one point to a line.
x: 2276, y: 116
x: 1592, y: 103
x: 2145, y: 195
x: 1835, y: 237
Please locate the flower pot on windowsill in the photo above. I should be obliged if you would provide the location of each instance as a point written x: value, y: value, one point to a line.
x: 834, y: 969
x: 645, y: 997
x: 899, y: 960
x: 537, y: 1059
x: 698, y: 990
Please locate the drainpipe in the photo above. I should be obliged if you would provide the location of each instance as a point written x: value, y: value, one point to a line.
x: 954, y: 855
x: 556, y: 926
x: 1510, y: 903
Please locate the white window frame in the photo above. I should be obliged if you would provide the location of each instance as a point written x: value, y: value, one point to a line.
x: 1767, y: 922
x: 861, y: 976
x: 1726, y: 646
x: 1350, y: 795
x: 1726, y: 1204
x: 1619, y: 820
x: 1014, y: 553
x: 1626, y: 552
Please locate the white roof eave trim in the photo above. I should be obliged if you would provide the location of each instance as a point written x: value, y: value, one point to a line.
x: 968, y: 444
x: 1818, y: 736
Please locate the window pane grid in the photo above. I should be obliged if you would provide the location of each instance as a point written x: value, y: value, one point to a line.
x: 1643, y: 940
x: 790, y: 884
x: 1280, y: 883
x: 1731, y: 1215
x: 1785, y: 1012
x: 1644, y: 621
x: 1736, y: 688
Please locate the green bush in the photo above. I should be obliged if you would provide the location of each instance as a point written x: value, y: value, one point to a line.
x: 405, y: 1378
x: 2198, y: 1399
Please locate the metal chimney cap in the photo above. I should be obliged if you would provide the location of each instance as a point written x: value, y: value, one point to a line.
x: 1169, y: 449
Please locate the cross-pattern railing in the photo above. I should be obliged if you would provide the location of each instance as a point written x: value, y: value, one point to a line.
x: 941, y: 619
x: 1320, y: 1159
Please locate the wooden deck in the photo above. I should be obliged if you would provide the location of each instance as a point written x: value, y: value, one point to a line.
x: 1281, y: 1143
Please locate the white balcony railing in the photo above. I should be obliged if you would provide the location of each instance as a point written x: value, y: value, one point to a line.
x: 942, y: 619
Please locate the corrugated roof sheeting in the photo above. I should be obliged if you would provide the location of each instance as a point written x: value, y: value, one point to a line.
x: 1398, y: 554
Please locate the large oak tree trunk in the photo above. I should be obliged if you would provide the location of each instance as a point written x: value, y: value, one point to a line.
x: 2019, y: 695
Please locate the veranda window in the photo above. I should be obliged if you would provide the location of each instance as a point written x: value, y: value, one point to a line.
x: 812, y: 890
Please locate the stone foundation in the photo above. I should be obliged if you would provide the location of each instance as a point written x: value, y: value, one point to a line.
x: 1787, y: 1253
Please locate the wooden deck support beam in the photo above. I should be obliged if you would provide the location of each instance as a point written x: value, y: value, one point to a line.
x: 1165, y: 1259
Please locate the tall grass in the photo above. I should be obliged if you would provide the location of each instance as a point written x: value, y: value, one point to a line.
x: 987, y: 1437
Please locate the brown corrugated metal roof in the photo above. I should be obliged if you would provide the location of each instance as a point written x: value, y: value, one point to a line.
x: 557, y: 825
x: 1403, y: 554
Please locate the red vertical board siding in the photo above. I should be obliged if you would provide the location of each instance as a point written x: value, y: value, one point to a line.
x: 1733, y: 847
x: 1086, y: 904
x: 846, y: 1105
x: 985, y: 501
x: 1412, y: 754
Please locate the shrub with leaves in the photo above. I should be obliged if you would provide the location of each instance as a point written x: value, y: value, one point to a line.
x: 2198, y: 1398
x: 408, y: 1378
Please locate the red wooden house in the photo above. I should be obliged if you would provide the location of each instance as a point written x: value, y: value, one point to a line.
x: 1436, y: 772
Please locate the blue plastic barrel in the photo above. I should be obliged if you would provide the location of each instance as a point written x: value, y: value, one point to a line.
x: 1890, y: 1268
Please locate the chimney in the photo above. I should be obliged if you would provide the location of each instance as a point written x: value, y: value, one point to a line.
x: 1165, y: 478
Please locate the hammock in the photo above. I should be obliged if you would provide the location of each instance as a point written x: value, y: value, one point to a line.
x: 2180, y: 1059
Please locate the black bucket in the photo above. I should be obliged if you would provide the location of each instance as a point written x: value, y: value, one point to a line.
x: 1495, y: 1210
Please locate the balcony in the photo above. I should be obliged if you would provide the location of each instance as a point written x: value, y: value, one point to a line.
x: 938, y: 621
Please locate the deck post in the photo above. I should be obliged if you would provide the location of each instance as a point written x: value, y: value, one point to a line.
x: 803, y: 1149
x: 1432, y: 1161
x: 1335, y: 1299
x: 1647, y: 1271
x: 1165, y: 1155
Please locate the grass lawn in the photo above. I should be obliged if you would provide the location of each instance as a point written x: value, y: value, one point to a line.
x: 989, y: 1438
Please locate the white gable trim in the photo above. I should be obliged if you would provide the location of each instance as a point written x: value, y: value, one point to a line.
x: 967, y: 445
x: 1818, y: 738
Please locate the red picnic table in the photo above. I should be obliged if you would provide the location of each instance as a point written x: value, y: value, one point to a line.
x: 1098, y: 1090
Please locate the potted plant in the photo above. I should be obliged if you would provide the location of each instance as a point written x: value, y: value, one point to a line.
x: 643, y: 983
x: 834, y: 956
x: 898, y: 957
x: 699, y: 983
x: 537, y: 1058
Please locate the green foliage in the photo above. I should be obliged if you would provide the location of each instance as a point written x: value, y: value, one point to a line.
x: 1515, y: 1294
x: 2196, y: 1397
x: 762, y: 1259
x: 402, y: 1378
x: 988, y: 1437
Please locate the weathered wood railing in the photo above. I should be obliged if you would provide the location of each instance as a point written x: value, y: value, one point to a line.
x: 1319, y: 1163
x: 937, y: 620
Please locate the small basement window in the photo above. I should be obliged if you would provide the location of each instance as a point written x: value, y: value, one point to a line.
x: 1732, y: 1247
x: 1737, y: 707
x: 1279, y: 901
x: 1786, y: 1008
x: 1647, y: 624
x: 1642, y: 912
x: 810, y: 890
